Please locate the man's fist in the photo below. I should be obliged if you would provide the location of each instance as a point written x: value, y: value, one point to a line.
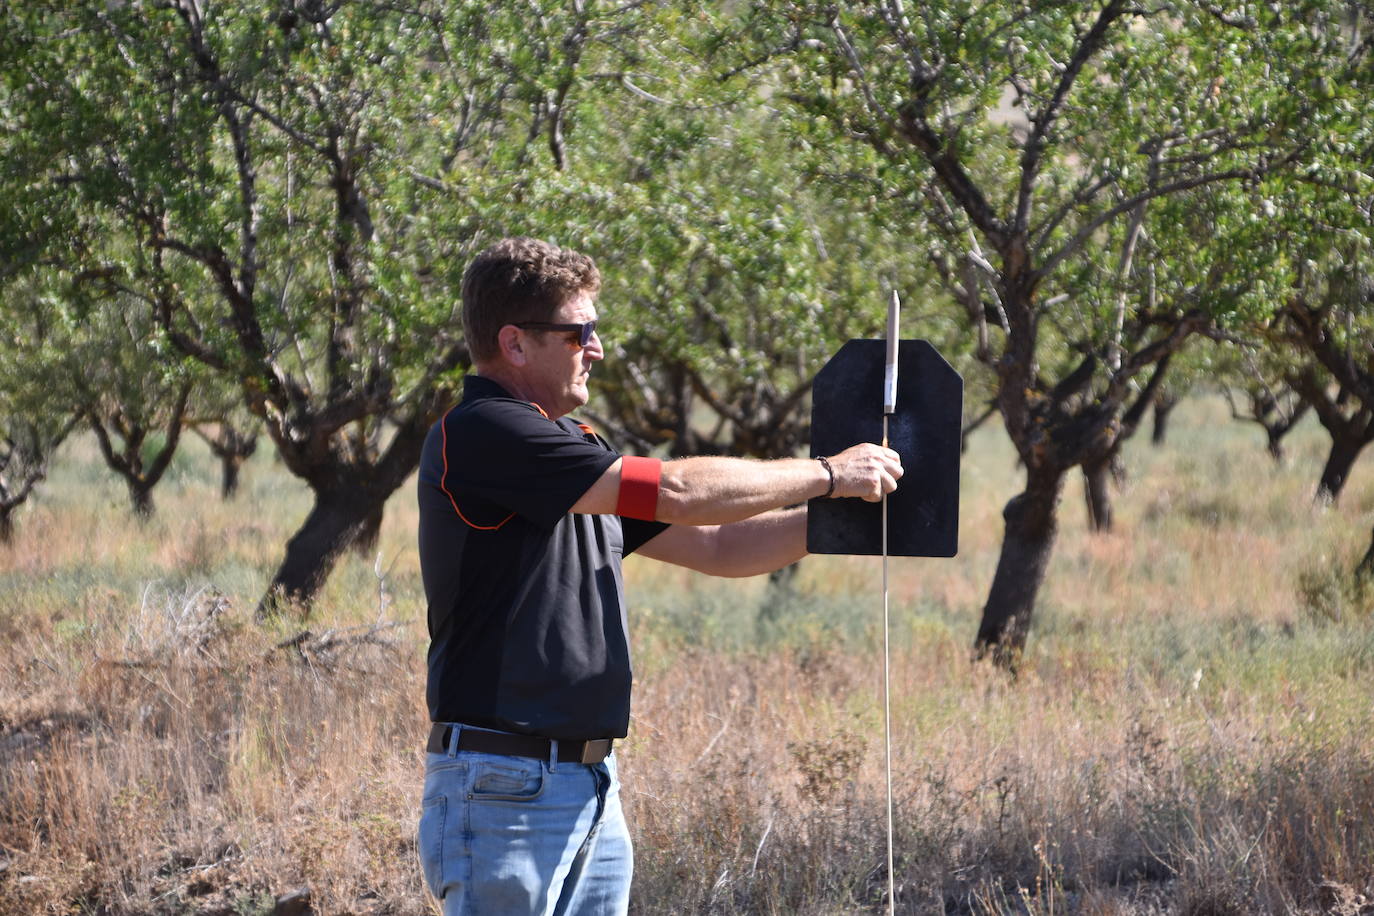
x: 867, y: 471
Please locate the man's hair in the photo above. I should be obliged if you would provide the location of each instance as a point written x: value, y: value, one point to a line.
x: 520, y: 279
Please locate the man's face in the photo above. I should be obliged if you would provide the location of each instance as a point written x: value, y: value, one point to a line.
x: 559, y: 366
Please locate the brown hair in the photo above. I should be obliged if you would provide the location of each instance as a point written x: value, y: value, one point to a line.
x: 520, y: 279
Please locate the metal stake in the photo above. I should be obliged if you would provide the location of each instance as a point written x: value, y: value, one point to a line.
x: 889, y: 407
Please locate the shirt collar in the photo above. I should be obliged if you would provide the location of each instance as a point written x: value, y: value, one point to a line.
x: 476, y: 387
x: 479, y: 386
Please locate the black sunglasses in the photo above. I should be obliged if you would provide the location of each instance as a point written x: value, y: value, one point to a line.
x: 583, y: 330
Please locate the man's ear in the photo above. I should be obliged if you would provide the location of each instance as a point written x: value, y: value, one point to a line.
x: 510, y: 342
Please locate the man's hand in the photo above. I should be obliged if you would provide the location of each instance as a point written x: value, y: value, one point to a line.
x: 867, y: 471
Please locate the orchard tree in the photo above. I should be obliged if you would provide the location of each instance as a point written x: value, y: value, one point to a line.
x: 33, y: 425
x: 1321, y: 230
x: 36, y: 416
x: 1199, y: 253
x: 232, y: 440
x: 27, y: 444
x: 1331, y: 318
x: 1255, y: 383
x: 303, y: 183
x: 130, y: 388
x: 102, y: 362
x: 1125, y: 108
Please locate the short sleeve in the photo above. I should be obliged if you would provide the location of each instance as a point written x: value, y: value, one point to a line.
x: 506, y: 452
x: 637, y: 532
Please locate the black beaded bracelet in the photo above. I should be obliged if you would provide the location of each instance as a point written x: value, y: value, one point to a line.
x: 829, y: 470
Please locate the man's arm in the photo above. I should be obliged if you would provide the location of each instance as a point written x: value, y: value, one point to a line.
x: 747, y: 548
x: 718, y: 491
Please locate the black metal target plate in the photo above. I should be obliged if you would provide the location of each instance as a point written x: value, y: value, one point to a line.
x: 846, y: 409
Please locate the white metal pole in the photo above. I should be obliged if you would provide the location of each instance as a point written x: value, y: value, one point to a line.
x: 889, y: 407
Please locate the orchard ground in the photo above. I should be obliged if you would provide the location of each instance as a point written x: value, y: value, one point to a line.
x: 1190, y: 732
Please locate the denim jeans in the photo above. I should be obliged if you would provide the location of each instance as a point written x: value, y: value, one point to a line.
x: 515, y: 835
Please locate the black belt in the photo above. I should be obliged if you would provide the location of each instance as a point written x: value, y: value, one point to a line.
x: 593, y: 751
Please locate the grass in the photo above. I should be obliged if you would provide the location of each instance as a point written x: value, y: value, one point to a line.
x: 1190, y: 732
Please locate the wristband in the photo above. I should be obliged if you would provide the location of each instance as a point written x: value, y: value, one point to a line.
x: 825, y: 463
x: 639, y: 479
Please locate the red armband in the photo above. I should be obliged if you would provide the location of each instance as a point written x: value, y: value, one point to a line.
x: 639, y: 478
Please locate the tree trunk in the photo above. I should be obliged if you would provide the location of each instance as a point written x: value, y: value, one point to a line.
x: 1097, y: 493
x: 229, y: 465
x: 365, y: 544
x: 339, y: 515
x: 1276, y: 429
x: 142, y: 499
x: 1364, y: 571
x: 1164, y: 407
x: 1274, y: 444
x: 1344, y: 451
x: 1026, y: 547
x: 232, y: 447
x: 7, y: 525
x: 349, y: 500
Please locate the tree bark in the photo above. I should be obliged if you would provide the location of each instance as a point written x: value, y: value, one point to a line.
x: 141, y: 497
x: 1026, y: 548
x: 229, y: 466
x: 365, y: 544
x: 1339, y: 460
x: 1097, y: 494
x: 7, y: 525
x: 1163, y: 409
x: 1364, y: 570
x: 340, y: 514
x: 232, y: 448
x: 349, y: 502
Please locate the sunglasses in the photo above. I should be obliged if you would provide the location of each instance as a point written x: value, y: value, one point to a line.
x: 583, y: 330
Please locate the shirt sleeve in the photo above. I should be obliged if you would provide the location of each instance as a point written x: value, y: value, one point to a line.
x: 637, y: 532
x: 507, y: 452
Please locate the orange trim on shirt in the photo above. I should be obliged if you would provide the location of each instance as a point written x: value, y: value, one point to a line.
x: 443, y: 429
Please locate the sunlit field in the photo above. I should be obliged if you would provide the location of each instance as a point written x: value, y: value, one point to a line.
x: 1190, y: 732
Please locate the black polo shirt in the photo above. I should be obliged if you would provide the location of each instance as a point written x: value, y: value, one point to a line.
x: 527, y: 618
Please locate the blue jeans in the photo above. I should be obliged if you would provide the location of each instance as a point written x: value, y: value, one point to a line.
x: 516, y: 835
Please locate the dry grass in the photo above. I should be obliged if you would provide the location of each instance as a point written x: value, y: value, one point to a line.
x: 1190, y: 734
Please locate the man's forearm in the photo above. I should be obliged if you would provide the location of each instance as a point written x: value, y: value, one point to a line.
x: 718, y: 491
x: 750, y: 547
x: 761, y: 544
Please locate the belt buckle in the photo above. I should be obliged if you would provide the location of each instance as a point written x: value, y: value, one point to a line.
x: 590, y: 749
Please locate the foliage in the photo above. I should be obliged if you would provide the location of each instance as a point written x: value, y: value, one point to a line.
x: 290, y: 192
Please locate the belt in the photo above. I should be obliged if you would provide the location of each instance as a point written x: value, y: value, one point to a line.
x: 593, y: 751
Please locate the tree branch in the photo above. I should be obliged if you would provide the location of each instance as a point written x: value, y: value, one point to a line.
x: 1033, y: 152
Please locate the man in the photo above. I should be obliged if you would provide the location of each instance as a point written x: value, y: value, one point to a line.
x: 525, y: 515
